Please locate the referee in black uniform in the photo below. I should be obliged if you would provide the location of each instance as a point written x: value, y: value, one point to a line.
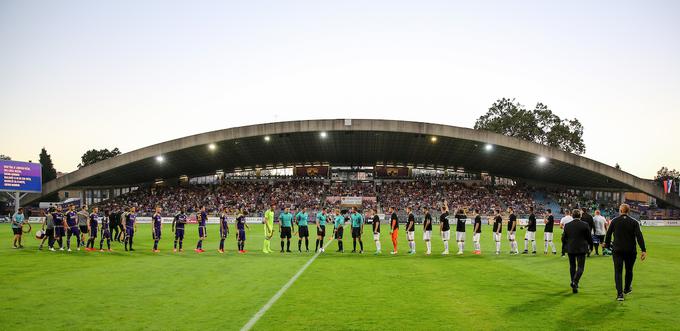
x: 627, y: 233
x: 578, y: 239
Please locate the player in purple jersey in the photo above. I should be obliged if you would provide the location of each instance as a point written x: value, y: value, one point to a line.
x: 156, y: 229
x: 202, y: 219
x: 241, y: 231
x: 92, y: 225
x: 72, y: 229
x: 224, y: 228
x: 106, y: 232
x: 130, y: 228
x: 59, y: 227
x: 178, y: 224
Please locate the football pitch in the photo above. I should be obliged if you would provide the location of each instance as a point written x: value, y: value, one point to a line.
x: 43, y: 290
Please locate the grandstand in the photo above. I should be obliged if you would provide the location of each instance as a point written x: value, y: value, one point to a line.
x: 382, y: 163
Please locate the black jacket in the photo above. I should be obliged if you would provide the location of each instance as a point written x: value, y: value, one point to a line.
x: 577, y: 237
x: 589, y: 220
x: 626, y: 231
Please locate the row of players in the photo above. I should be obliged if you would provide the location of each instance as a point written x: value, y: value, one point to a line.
x: 58, y: 225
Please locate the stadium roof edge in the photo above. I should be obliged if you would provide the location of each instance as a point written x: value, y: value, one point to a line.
x: 515, y: 152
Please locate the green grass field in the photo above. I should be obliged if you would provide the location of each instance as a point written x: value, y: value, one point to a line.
x: 179, y: 291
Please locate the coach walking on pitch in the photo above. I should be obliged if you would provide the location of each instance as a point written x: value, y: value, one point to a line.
x: 578, y: 239
x: 626, y: 231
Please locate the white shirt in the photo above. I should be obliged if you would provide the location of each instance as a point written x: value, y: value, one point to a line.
x: 599, y: 221
x: 566, y: 220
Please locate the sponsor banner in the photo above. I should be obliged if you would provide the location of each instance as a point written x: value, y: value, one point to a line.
x: 313, y: 171
x: 387, y: 172
x: 350, y: 200
x: 660, y: 222
x: 20, y: 176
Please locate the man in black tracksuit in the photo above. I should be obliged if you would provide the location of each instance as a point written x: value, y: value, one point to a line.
x: 578, y: 238
x: 585, y: 217
x: 627, y: 233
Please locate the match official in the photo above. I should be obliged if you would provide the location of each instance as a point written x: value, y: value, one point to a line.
x: 626, y: 231
x: 578, y: 239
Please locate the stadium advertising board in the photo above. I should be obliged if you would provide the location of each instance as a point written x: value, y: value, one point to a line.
x: 20, y: 176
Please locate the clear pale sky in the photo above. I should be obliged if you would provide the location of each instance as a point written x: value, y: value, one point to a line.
x: 76, y: 75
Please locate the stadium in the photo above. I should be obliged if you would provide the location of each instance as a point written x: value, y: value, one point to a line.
x: 371, y: 166
x: 339, y: 165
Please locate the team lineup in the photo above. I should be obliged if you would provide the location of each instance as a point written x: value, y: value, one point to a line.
x: 86, y: 227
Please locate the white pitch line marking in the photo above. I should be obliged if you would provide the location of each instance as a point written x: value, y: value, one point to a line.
x: 278, y: 294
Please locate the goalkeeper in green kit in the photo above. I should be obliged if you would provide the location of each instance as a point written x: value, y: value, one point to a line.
x: 268, y: 229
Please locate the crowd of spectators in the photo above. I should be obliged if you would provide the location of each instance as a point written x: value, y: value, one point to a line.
x: 255, y: 196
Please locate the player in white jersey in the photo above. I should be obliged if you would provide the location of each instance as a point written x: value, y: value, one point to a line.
x: 564, y: 221
x: 600, y: 230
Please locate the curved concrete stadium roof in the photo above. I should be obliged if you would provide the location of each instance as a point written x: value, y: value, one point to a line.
x: 353, y: 142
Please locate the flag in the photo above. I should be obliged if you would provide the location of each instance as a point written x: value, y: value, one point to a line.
x: 667, y: 186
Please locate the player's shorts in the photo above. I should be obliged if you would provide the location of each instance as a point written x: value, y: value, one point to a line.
x: 74, y: 231
x: 49, y: 233
x: 59, y: 231
x: 179, y: 233
x: 223, y: 232
x: 201, y: 231
x: 339, y: 232
x: 497, y: 236
x: 356, y: 232
x: 241, y: 235
x: 303, y: 231
x: 530, y: 235
x: 446, y: 235
x: 93, y: 232
x: 83, y: 228
x: 129, y: 231
x: 106, y: 234
x: 376, y: 236
x: 460, y: 236
x: 511, y: 235
x: 16, y: 230
x: 156, y: 233
x: 410, y: 235
x: 427, y: 235
x: 475, y: 236
x: 321, y: 231
x: 285, y: 232
x: 547, y: 236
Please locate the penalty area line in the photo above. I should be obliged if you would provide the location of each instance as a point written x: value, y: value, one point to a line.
x: 282, y: 290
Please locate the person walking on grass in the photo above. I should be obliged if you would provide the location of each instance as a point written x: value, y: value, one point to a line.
x: 627, y: 233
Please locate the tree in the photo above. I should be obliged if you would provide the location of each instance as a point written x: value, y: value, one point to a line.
x: 48, y: 173
x: 665, y: 174
x: 540, y: 125
x: 95, y: 155
x: 5, y: 157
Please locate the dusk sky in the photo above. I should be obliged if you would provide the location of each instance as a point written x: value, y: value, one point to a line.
x: 76, y: 75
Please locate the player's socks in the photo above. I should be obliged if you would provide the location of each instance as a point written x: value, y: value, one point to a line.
x: 361, y: 245
x: 307, y: 243
x: 155, y: 244
x: 354, y: 245
x: 198, y: 244
x: 175, y: 245
x: 446, y: 245
x: 316, y: 246
x: 533, y: 246
x: 288, y: 246
x: 460, y: 246
x: 377, y: 245
x: 180, y: 245
x: 222, y: 244
x: 282, y: 245
x: 300, y: 245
